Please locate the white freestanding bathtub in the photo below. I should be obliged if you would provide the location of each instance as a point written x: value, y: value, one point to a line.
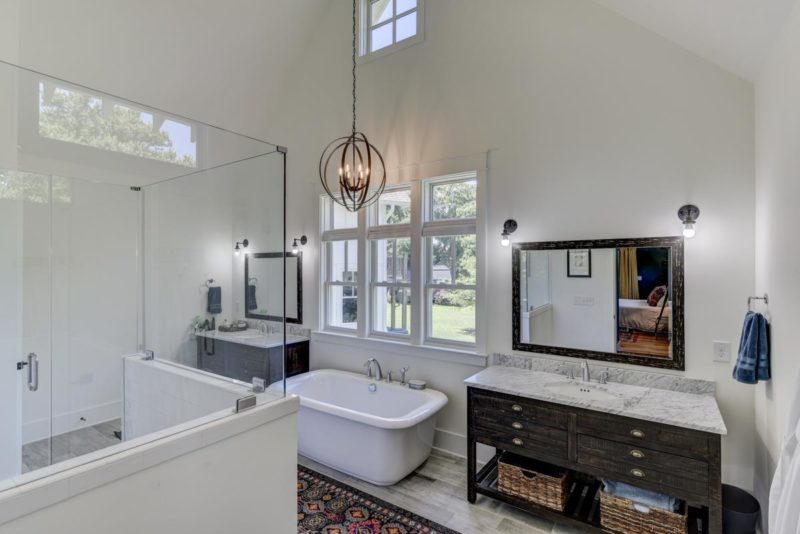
x: 379, y: 434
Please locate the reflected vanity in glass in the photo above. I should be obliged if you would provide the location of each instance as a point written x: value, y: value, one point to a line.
x: 263, y: 275
x: 617, y: 300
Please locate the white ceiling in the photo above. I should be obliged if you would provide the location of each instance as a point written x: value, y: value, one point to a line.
x: 735, y: 34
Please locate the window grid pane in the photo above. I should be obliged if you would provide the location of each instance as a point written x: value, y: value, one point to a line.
x: 341, y: 277
x: 381, y: 11
x: 406, y: 27
x: 394, y: 207
x: 454, y: 200
x: 392, y: 310
x: 452, y: 314
x: 392, y: 260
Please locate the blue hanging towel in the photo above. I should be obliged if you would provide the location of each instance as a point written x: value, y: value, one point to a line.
x: 752, y: 364
x: 214, y: 300
x: 250, y: 298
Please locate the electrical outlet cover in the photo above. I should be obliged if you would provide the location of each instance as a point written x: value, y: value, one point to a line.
x: 722, y: 351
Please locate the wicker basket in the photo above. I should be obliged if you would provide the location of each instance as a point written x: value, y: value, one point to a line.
x: 534, y: 481
x: 620, y: 515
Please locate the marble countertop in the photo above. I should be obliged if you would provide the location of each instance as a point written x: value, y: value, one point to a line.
x: 686, y: 410
x: 253, y: 338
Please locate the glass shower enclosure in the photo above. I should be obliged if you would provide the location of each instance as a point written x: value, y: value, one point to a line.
x: 117, y: 221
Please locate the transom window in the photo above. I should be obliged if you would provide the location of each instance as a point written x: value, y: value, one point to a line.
x: 420, y: 261
x: 389, y: 23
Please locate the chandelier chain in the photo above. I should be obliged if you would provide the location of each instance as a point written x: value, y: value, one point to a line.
x: 354, y: 65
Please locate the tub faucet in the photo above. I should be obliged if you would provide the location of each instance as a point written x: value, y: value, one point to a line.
x: 378, y: 374
x: 585, y: 371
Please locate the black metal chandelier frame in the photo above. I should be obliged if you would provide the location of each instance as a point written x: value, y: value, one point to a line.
x: 358, y: 184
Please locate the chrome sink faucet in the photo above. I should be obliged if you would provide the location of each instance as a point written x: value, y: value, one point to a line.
x: 585, y: 371
x: 373, y: 363
x: 403, y: 372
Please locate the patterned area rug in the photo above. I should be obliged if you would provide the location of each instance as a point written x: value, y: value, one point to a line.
x: 326, y: 506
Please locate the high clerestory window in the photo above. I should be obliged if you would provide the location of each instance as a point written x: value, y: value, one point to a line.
x: 387, y: 25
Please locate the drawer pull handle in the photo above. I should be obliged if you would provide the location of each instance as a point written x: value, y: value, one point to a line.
x: 516, y: 407
x: 518, y: 442
x: 636, y: 453
x: 638, y: 473
x: 636, y: 433
x: 516, y: 425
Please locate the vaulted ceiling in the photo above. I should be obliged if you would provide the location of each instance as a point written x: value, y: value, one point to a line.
x: 737, y: 35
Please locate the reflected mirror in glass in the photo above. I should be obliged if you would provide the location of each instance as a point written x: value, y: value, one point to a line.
x: 263, y: 288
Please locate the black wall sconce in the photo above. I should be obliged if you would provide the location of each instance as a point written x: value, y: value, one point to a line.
x: 688, y: 214
x: 244, y: 243
x: 295, y: 246
x: 509, y: 227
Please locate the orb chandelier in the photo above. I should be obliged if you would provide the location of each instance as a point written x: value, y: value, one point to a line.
x: 351, y: 169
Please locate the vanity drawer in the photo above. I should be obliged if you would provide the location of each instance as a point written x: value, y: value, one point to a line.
x: 655, y: 436
x: 510, y: 409
x: 645, y: 467
x: 541, y: 441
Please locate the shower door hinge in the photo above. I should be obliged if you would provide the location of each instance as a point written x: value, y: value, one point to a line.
x: 135, y: 188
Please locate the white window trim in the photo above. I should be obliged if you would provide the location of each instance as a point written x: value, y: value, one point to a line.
x: 376, y: 232
x: 415, y: 175
x: 448, y: 228
x: 327, y: 283
x: 364, y: 55
x: 330, y: 236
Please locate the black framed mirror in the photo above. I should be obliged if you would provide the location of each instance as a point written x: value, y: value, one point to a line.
x: 616, y: 300
x: 263, y: 286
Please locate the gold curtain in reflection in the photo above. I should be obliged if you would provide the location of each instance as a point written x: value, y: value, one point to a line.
x: 628, y: 274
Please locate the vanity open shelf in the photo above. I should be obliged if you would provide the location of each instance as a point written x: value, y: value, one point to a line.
x: 680, y: 462
x: 583, y: 505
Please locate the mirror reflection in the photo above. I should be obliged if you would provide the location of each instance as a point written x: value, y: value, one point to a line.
x: 264, y: 286
x: 614, y: 300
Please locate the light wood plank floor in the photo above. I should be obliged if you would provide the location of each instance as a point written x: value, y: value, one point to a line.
x: 438, y: 491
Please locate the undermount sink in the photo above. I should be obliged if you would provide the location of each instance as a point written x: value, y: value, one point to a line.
x: 581, y: 390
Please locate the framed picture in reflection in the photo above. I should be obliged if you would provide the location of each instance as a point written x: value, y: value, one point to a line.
x: 579, y: 263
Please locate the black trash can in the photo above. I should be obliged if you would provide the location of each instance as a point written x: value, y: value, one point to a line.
x: 740, y: 511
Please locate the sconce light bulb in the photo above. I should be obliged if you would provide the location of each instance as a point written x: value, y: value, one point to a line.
x: 237, y: 250
x: 505, y: 241
x: 688, y: 230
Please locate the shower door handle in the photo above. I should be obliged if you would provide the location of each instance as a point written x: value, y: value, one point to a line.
x: 33, y: 371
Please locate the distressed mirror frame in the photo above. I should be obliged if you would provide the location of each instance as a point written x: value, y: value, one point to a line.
x: 286, y: 255
x: 676, y: 259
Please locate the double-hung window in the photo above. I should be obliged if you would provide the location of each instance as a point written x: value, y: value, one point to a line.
x: 407, y: 268
x: 449, y: 232
x: 391, y: 266
x: 340, y: 266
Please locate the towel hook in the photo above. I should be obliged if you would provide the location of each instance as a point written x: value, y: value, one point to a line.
x: 253, y: 281
x: 209, y: 282
x: 750, y: 300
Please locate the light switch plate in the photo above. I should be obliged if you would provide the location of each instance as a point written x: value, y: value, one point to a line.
x: 722, y: 351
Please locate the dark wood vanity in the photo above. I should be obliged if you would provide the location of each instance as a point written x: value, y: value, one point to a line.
x: 243, y: 362
x: 676, y: 461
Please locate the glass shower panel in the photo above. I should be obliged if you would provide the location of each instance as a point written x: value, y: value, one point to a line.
x: 191, y: 227
x: 113, y: 217
x: 96, y: 229
x: 25, y: 351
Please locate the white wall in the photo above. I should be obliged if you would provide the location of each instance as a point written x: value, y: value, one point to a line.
x: 159, y: 396
x: 584, y: 326
x: 597, y: 129
x: 777, y: 247
x: 209, y: 483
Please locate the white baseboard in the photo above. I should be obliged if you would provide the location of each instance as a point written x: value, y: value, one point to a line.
x: 68, y: 421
